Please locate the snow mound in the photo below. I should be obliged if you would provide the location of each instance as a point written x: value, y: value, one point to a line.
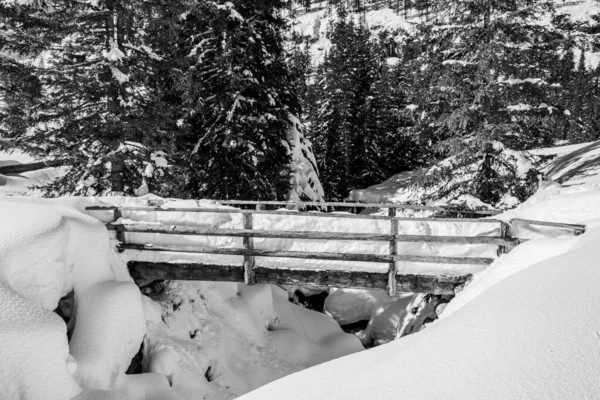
x: 533, y: 335
x: 34, y: 348
x: 48, y: 249
x: 223, y: 339
x: 214, y: 340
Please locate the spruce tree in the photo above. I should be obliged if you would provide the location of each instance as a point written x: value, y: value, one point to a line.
x: 236, y: 99
x: 80, y: 94
x: 483, y: 87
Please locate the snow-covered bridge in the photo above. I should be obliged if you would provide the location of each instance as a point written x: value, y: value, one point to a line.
x: 213, y: 242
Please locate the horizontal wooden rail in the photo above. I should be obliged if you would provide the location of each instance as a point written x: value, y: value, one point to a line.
x: 578, y: 228
x: 360, y: 257
x: 292, y: 213
x: 27, y: 167
x: 358, y: 205
x: 435, y: 284
x: 185, y: 230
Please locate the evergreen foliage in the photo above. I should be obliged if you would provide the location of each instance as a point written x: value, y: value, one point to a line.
x: 485, y: 81
x: 236, y: 96
x: 85, y: 101
x: 108, y: 85
x: 219, y: 91
x: 354, y: 125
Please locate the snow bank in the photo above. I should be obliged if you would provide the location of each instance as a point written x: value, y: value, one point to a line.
x: 215, y: 340
x: 221, y: 340
x: 23, y: 184
x: 48, y: 249
x: 579, y: 166
x: 532, y: 335
x: 34, y: 348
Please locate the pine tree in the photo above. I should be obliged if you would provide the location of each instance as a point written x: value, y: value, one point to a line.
x: 85, y: 103
x: 356, y: 123
x: 484, y: 86
x: 236, y: 97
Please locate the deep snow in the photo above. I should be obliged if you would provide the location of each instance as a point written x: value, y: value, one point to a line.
x: 526, y: 328
x: 215, y: 340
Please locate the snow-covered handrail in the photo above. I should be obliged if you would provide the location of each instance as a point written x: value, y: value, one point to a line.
x: 578, y: 229
x: 259, y: 204
x: 294, y: 213
x: 251, y: 274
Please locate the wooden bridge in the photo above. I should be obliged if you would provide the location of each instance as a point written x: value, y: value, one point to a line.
x: 251, y: 273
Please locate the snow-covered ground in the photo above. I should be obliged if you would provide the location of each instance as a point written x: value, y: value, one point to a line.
x: 221, y: 340
x: 200, y: 339
x: 525, y: 328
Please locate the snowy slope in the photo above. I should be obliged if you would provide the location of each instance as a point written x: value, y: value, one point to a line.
x: 314, y: 25
x: 528, y: 330
x: 576, y: 167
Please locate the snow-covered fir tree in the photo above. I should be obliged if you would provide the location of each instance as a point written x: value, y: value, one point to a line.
x: 86, y: 102
x: 483, y: 84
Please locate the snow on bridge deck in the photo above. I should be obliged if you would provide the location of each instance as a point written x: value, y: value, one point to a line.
x: 209, y: 241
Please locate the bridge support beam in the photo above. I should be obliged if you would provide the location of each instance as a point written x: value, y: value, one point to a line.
x: 391, y: 287
x: 146, y: 272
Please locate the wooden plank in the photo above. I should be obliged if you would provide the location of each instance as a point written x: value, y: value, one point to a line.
x: 26, y: 167
x: 292, y: 213
x: 575, y: 227
x: 351, y: 205
x: 495, y: 240
x: 475, y: 220
x: 120, y: 234
x: 183, y: 230
x: 240, y: 211
x: 444, y: 260
x: 249, y: 247
x: 358, y: 257
x: 148, y: 271
x: 393, y: 250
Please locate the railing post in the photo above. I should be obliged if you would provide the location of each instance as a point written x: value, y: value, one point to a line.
x: 120, y: 234
x: 391, y: 287
x: 249, y: 278
x: 504, y: 232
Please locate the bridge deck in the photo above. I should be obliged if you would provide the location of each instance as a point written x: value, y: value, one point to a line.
x: 249, y: 272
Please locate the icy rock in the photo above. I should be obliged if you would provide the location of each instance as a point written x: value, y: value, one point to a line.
x: 347, y: 306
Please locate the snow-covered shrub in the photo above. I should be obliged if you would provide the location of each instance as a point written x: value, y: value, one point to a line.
x: 305, y: 177
x: 488, y: 175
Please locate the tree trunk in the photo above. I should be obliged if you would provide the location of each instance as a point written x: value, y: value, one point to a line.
x: 116, y: 175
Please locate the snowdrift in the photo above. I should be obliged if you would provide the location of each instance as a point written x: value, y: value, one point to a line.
x: 215, y: 340
x: 526, y: 328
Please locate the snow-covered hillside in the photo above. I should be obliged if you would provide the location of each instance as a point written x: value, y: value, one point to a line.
x: 314, y: 25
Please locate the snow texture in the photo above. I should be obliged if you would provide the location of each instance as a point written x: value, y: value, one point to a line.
x: 527, y: 328
x: 216, y: 340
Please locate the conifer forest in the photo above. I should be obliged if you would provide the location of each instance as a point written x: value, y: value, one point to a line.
x: 205, y: 99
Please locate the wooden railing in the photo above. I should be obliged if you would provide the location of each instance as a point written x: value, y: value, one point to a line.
x: 250, y: 273
x: 332, y: 206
